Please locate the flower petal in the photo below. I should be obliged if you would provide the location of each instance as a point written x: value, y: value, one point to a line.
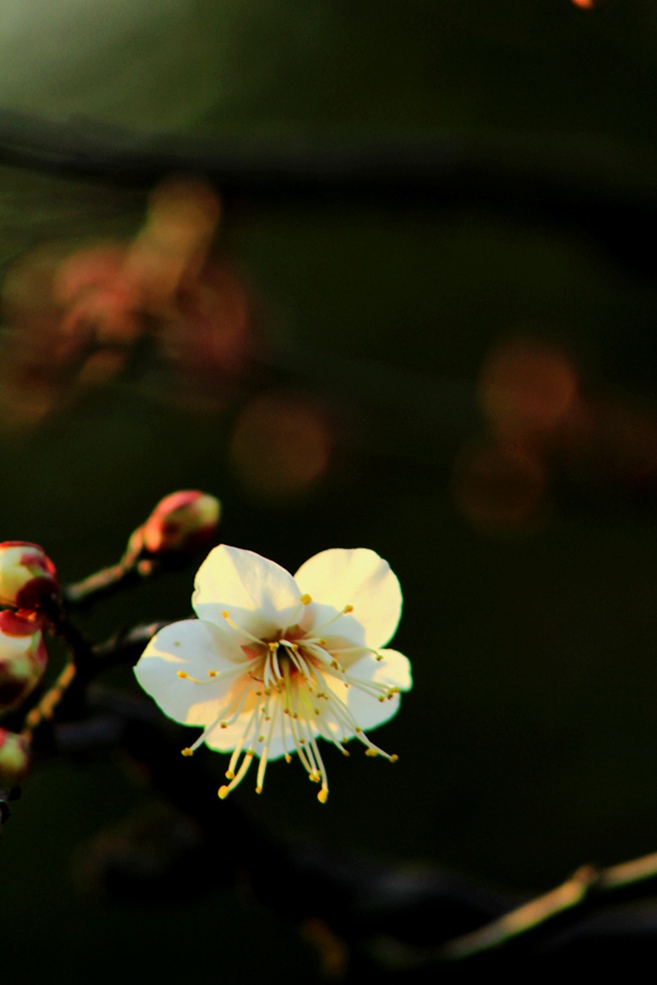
x: 394, y: 669
x: 225, y: 740
x: 368, y: 711
x: 195, y: 647
x: 359, y: 578
x: 258, y: 594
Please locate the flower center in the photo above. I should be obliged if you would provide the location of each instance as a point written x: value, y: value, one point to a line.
x: 291, y: 687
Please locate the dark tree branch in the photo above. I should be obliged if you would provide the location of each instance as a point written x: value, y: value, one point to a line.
x: 406, y: 923
x: 595, y: 188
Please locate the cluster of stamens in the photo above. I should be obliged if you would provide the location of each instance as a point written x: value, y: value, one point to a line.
x: 288, y: 678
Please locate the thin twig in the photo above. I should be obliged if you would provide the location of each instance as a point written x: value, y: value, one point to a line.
x: 524, y: 918
x: 133, y: 568
x: 101, y: 583
x: 44, y: 711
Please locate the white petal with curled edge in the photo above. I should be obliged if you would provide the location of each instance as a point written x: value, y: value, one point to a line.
x: 258, y: 594
x: 357, y: 577
x: 195, y: 647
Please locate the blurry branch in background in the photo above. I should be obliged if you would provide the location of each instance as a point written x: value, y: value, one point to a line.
x: 76, y: 314
x: 602, y: 190
x: 79, y: 316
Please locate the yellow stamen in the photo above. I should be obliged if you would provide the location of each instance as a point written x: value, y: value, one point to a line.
x: 305, y: 599
x: 187, y: 751
x: 347, y: 609
x: 240, y: 629
x: 182, y: 675
x: 239, y: 776
x: 322, y: 796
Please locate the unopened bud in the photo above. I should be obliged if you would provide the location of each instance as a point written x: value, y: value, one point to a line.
x: 27, y: 575
x: 23, y: 657
x: 14, y: 758
x: 184, y: 521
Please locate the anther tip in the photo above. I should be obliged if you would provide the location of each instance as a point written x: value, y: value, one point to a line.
x: 182, y: 675
x: 348, y: 609
x: 288, y: 759
x: 222, y: 793
x: 187, y: 751
x: 258, y: 789
x: 394, y: 757
x: 212, y: 673
x: 306, y: 599
x: 230, y: 775
x: 322, y: 796
x: 225, y: 613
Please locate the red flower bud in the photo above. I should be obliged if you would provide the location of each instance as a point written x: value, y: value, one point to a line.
x: 14, y: 758
x: 184, y: 521
x: 27, y: 576
x: 23, y: 657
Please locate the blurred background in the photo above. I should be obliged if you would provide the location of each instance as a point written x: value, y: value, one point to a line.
x: 456, y: 367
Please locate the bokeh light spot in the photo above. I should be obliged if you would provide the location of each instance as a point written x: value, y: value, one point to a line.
x: 281, y: 446
x: 526, y: 386
x: 498, y: 488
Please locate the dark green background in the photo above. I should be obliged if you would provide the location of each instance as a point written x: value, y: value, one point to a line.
x: 529, y: 744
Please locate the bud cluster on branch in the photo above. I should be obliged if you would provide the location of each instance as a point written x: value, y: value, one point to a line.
x: 35, y: 607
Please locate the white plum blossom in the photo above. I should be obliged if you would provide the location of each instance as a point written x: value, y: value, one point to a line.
x: 275, y: 662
